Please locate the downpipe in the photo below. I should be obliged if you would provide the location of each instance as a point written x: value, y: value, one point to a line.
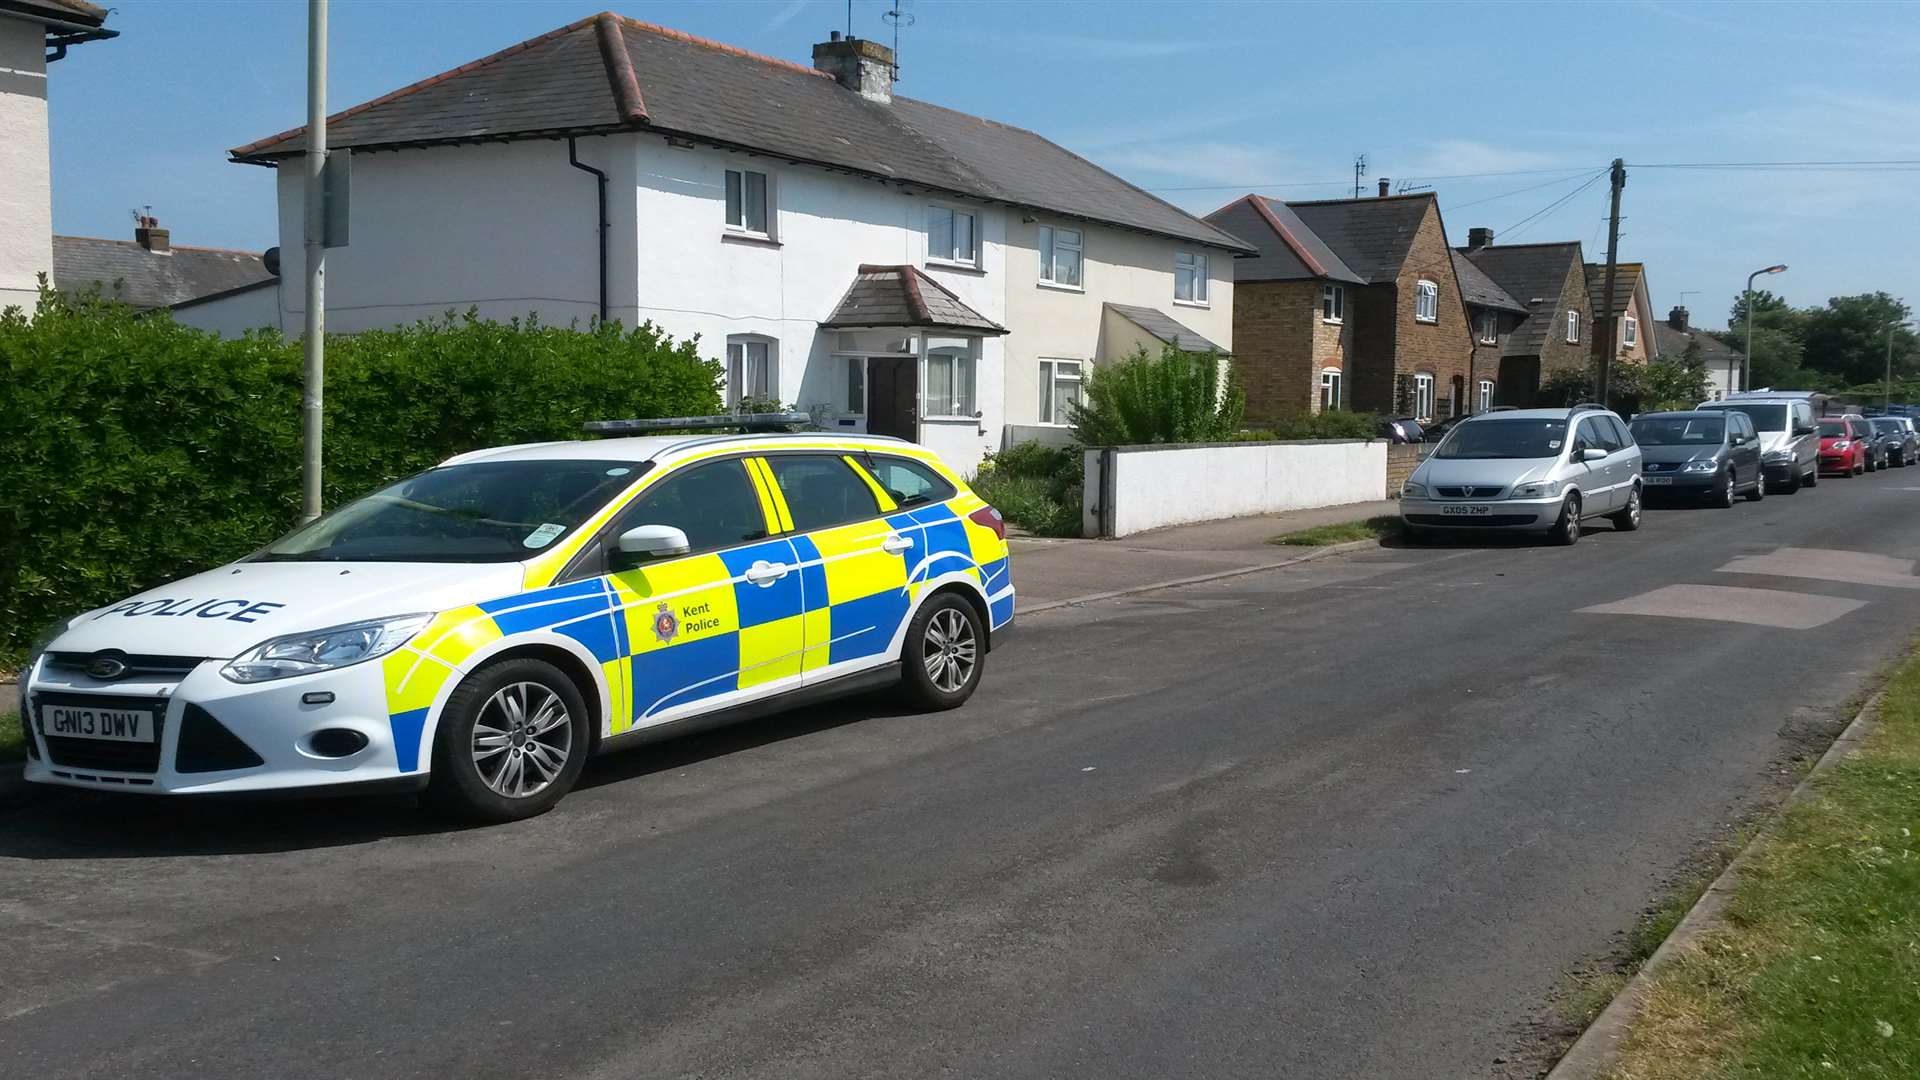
x: 600, y: 178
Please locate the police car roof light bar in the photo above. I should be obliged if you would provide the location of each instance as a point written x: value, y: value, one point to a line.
x: 750, y: 422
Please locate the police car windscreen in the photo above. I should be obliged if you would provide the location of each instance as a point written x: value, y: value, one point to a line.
x: 487, y: 511
x: 1505, y: 439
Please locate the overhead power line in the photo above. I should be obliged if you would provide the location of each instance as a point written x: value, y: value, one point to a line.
x: 1542, y: 213
x: 1521, y: 191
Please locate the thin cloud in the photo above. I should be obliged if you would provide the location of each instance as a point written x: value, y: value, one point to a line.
x: 786, y: 14
x: 1104, y: 48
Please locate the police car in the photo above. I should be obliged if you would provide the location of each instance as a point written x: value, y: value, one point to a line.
x: 481, y: 628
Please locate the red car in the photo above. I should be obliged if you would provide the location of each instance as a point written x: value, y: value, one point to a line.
x: 1846, y: 444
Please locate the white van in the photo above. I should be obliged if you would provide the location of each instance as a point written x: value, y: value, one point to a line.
x: 1789, y: 440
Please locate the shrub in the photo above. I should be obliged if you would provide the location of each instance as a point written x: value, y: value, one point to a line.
x: 1035, y: 487
x: 1330, y: 424
x: 1174, y: 397
x: 140, y: 450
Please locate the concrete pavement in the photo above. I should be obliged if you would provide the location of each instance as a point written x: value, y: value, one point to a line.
x: 1351, y: 817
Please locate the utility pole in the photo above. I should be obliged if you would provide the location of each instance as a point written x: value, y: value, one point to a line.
x: 312, y: 419
x: 1619, y: 180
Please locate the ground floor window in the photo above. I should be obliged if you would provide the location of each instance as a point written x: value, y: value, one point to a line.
x: 855, y: 386
x: 1059, y: 390
x: 752, y: 369
x: 1486, y: 395
x: 951, y: 367
x: 1329, y: 389
x: 1423, y: 397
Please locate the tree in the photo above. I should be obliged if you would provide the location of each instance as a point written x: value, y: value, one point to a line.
x: 1769, y: 310
x: 1848, y: 337
x: 1678, y: 382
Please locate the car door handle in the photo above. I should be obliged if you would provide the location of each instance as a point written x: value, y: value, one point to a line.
x: 765, y: 573
x: 896, y: 544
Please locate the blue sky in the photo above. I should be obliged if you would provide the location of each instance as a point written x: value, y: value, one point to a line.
x: 1200, y: 102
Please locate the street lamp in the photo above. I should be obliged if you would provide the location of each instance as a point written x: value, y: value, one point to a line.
x: 1886, y: 399
x: 1746, y: 362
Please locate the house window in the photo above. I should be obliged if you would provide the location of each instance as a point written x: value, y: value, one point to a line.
x: 951, y: 236
x: 1189, y: 278
x: 950, y: 376
x: 1060, y: 256
x: 747, y: 202
x: 856, y: 386
x: 1059, y: 390
x: 1423, y: 397
x: 1489, y: 328
x: 1573, y: 328
x: 1333, y: 303
x: 1486, y: 395
x: 753, y: 371
x: 1426, y: 302
x: 1631, y: 335
x: 1329, y: 389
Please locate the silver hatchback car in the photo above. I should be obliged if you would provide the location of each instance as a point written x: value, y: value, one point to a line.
x: 1528, y: 470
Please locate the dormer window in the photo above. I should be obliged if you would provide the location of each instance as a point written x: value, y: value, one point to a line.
x: 1489, y: 328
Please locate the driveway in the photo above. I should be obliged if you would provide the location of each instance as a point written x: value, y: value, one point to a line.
x: 1352, y: 817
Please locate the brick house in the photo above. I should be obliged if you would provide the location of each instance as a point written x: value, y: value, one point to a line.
x: 1493, y: 315
x: 1551, y: 281
x: 1633, y: 339
x: 1350, y: 303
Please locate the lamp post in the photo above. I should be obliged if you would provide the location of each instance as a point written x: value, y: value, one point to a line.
x: 1746, y: 362
x: 1886, y: 398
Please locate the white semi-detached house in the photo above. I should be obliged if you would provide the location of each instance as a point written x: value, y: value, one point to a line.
x: 889, y: 265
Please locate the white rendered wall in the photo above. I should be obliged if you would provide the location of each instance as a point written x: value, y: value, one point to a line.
x: 234, y: 315
x: 1152, y: 487
x: 26, y: 191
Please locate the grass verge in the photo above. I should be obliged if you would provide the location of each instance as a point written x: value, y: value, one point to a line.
x: 13, y: 746
x: 1814, y: 969
x: 1372, y: 528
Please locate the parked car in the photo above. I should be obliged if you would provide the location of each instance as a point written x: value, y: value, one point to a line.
x: 1433, y: 433
x: 1710, y: 455
x: 1401, y: 429
x: 1845, y: 442
x: 1789, y: 441
x: 478, y: 629
x: 1895, y: 438
x: 1875, y: 443
x: 1528, y: 470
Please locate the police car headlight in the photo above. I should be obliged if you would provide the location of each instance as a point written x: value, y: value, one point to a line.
x: 324, y: 650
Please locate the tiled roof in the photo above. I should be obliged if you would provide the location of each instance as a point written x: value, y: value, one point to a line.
x: 905, y: 296
x: 1371, y: 236
x: 1625, y: 278
x: 1289, y: 251
x: 1479, y: 289
x: 1534, y: 275
x: 1673, y: 342
x: 1165, y: 328
x: 130, y: 273
x: 608, y: 73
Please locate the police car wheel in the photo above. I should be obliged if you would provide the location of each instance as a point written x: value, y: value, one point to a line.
x: 511, y: 742
x: 944, y: 654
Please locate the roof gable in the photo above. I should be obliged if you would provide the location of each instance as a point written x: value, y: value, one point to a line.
x: 1371, y: 236
x: 1479, y: 289
x: 1627, y: 280
x: 1289, y: 250
x: 607, y: 73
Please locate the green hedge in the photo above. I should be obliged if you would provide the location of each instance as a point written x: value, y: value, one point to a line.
x: 137, y: 450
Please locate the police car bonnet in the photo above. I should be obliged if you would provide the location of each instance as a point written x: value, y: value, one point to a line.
x: 223, y: 612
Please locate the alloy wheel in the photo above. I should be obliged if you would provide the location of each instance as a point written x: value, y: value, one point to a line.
x: 522, y: 739
x: 950, y: 650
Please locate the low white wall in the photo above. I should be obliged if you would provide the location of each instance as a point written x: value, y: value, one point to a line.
x: 1130, y: 489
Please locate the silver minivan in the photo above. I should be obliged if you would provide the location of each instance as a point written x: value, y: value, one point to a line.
x: 1789, y: 439
x: 1528, y: 470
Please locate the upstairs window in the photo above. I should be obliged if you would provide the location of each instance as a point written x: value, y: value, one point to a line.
x: 747, y: 202
x: 1426, y: 302
x: 1631, y: 335
x: 951, y: 236
x: 753, y: 373
x: 1573, y: 328
x: 1333, y: 303
x: 1489, y: 328
x: 1190, y: 277
x: 1060, y: 256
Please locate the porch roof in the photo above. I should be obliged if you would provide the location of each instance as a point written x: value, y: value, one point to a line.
x: 885, y: 296
x: 1165, y: 328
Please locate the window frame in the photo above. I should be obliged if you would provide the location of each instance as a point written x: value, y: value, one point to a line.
x: 1424, y: 395
x: 1333, y: 304
x: 839, y: 458
x: 944, y: 488
x: 1630, y: 331
x: 735, y: 390
x: 1334, y: 378
x: 971, y: 260
x: 1050, y: 380
x: 594, y: 559
x: 1195, y: 262
x: 1048, y: 244
x: 1489, y: 330
x: 972, y: 357
x: 1573, y: 326
x: 767, y: 204
x: 1426, y: 301
x: 1483, y: 393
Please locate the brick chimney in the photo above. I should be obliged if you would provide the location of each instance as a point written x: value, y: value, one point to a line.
x: 865, y: 67
x: 1386, y: 183
x: 148, y: 234
x: 1677, y: 318
x: 1478, y: 237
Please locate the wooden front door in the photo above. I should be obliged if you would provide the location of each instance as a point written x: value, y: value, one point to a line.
x: 893, y: 396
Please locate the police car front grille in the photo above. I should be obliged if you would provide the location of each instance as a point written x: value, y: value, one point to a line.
x: 138, y: 664
x: 101, y: 754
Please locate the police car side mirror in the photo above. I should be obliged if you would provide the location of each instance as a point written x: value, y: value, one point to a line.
x: 653, y: 542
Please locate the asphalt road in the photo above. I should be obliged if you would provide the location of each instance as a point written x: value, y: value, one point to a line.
x: 1352, y: 818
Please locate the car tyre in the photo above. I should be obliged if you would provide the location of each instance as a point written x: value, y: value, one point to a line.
x: 1812, y: 479
x: 1759, y: 487
x: 511, y: 742
x: 944, y: 655
x: 1724, y: 497
x: 1566, y: 531
x: 1792, y: 484
x: 1627, y: 518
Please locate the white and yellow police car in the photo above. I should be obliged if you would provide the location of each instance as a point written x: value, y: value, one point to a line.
x: 481, y: 628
